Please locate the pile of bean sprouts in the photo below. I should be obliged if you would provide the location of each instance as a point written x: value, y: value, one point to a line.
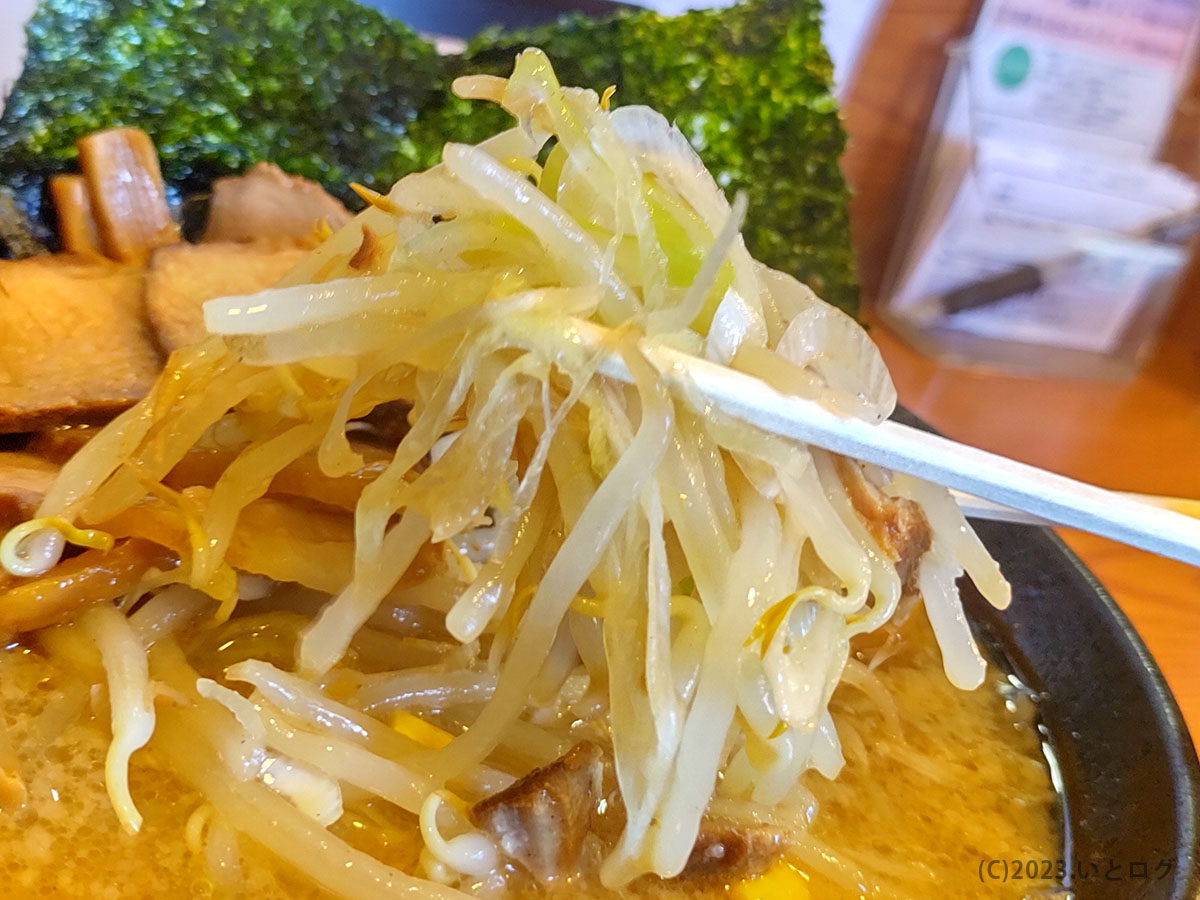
x: 546, y: 555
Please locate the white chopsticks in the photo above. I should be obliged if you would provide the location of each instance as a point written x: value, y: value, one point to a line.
x: 1003, y: 481
x: 978, y: 508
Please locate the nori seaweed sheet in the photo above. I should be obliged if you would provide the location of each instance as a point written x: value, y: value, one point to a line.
x: 337, y: 92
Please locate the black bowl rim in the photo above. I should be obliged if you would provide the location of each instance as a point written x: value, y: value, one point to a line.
x: 1182, y: 763
x: 1183, y: 768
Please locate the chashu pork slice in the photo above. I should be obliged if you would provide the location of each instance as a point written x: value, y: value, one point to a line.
x: 542, y: 820
x: 74, y: 340
x: 266, y: 203
x: 183, y: 276
x: 24, y: 480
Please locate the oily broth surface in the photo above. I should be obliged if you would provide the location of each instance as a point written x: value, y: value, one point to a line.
x: 967, y: 781
x: 65, y: 842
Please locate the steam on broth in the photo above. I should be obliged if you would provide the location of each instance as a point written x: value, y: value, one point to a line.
x: 560, y: 634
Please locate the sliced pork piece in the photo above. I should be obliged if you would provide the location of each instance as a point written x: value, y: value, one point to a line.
x: 541, y: 820
x: 24, y: 480
x: 126, y: 191
x: 74, y: 342
x: 898, y: 525
x: 725, y: 849
x: 182, y: 277
x: 268, y: 204
x: 58, y: 443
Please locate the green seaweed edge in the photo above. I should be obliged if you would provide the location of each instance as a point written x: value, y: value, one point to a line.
x: 337, y: 92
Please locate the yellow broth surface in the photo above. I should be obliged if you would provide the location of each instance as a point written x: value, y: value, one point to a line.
x: 915, y: 813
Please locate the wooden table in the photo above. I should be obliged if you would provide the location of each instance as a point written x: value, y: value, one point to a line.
x: 1140, y: 436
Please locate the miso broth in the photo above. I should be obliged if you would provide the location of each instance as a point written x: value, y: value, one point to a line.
x: 966, y: 781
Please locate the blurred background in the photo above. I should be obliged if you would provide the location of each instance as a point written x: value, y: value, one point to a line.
x: 1135, y: 428
x: 1128, y: 417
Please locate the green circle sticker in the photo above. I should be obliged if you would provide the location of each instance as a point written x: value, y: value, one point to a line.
x: 1012, y: 67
